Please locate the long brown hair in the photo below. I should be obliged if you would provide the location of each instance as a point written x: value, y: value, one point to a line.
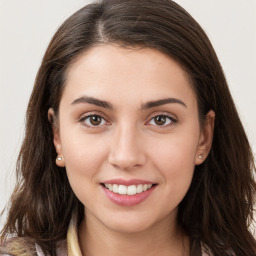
x: 218, y: 207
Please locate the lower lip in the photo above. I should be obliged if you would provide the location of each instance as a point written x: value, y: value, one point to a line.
x: 125, y: 200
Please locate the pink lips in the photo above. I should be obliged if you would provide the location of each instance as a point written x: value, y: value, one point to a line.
x: 127, y: 200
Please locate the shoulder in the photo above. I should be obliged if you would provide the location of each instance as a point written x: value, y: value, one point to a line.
x: 14, y: 245
x: 61, y: 249
x: 10, y: 248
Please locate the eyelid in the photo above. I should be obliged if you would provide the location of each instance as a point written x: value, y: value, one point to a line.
x: 84, y: 116
x: 92, y: 113
x: 172, y: 117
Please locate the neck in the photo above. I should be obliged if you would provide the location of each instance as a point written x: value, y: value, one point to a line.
x: 165, y: 238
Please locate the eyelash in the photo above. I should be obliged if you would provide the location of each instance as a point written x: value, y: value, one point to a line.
x: 171, y: 121
x: 88, y: 117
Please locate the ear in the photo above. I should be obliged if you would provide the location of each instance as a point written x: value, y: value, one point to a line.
x: 205, y: 139
x: 56, y: 138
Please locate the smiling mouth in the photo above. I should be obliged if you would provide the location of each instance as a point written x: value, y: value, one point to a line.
x: 127, y: 190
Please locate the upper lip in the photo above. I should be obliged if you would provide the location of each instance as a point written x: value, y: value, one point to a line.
x: 127, y: 182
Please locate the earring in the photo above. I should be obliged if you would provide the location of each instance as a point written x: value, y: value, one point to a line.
x: 60, y: 161
x: 200, y: 156
x: 58, y: 158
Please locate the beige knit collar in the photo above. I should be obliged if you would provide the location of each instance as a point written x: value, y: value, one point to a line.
x: 72, y: 239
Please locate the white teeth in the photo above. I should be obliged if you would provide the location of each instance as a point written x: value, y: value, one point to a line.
x: 122, y: 190
x: 115, y: 188
x: 139, y: 189
x: 131, y: 190
x: 128, y: 190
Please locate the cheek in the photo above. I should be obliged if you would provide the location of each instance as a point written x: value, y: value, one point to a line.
x: 84, y: 157
x: 174, y: 159
x: 174, y: 151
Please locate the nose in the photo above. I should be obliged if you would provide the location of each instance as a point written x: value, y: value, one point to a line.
x: 126, y: 149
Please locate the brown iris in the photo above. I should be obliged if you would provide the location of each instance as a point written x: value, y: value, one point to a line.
x: 95, y: 120
x: 160, y: 120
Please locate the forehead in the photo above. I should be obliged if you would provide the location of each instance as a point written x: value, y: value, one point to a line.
x: 111, y: 71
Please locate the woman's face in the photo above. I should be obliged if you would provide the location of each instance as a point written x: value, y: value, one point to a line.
x: 129, y: 135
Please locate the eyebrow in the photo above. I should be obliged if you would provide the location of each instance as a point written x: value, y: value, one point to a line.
x: 93, y: 101
x: 157, y: 103
x: 145, y: 106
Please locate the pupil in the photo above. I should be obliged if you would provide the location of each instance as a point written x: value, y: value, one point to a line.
x: 160, y: 120
x: 95, y: 120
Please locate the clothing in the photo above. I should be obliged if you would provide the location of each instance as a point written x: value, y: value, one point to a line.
x: 70, y: 247
x: 74, y: 250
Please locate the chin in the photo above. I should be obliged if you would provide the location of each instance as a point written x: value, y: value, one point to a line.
x: 128, y: 224
x: 128, y: 228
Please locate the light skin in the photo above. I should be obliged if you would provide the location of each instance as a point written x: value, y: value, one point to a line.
x: 130, y: 114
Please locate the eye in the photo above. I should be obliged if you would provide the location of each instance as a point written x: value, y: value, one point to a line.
x: 161, y: 120
x: 93, y: 121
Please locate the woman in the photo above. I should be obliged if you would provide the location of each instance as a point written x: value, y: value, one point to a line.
x: 133, y: 144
